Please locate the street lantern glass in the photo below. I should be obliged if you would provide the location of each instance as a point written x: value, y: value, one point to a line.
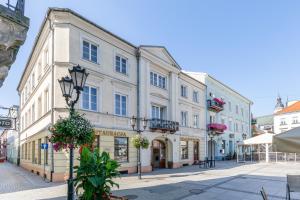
x: 144, y: 122
x: 66, y: 86
x: 133, y: 121
x: 78, y: 76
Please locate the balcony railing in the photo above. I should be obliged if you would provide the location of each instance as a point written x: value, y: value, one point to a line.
x: 215, y: 105
x: 163, y: 125
x: 217, y: 128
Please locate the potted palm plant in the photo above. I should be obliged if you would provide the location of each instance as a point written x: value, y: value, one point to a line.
x: 95, y: 175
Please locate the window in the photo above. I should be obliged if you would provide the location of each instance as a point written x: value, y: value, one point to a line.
x: 229, y: 106
x: 184, y: 116
x: 33, y: 152
x: 223, y: 121
x: 295, y: 120
x: 29, y: 116
x: 121, y: 149
x: 22, y: 98
x: 33, y: 113
x: 196, y: 96
x: 121, y: 64
x: 157, y: 80
x: 22, y: 125
x: 158, y: 112
x: 89, y: 98
x: 46, y: 59
x: 196, y: 121
x: 26, y: 151
x: 40, y: 111
x: 33, y: 81
x: 96, y: 143
x: 39, y: 70
x: 39, y: 151
x: 230, y: 125
x: 90, y: 51
x: 242, y: 112
x: 237, y: 109
x: 183, y: 91
x: 46, y: 151
x: 282, y: 121
x: 236, y: 127
x: 23, y: 153
x: 120, y: 105
x: 184, y: 149
x: 46, y: 101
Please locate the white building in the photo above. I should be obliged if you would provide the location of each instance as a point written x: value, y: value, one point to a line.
x: 287, y: 117
x: 166, y: 96
x: 235, y: 114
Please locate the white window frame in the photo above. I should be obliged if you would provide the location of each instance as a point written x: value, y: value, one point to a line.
x: 90, y: 102
x: 127, y: 64
x: 196, y: 120
x: 121, y: 108
x: 197, y: 96
x: 158, y: 76
x: 90, y: 51
x: 183, y: 88
x: 185, y: 122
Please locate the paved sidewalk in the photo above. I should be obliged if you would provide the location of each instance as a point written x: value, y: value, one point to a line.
x: 227, y: 181
x: 17, y: 183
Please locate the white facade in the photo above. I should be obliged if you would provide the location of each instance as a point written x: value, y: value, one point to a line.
x: 236, y: 115
x: 109, y: 99
x: 284, y: 121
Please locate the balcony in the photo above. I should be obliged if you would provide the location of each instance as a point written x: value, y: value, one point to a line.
x: 163, y: 125
x: 217, y: 128
x: 215, y: 105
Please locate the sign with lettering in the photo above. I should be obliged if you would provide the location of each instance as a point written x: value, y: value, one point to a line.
x: 44, y: 146
x: 113, y: 133
x: 189, y: 138
x: 5, y: 123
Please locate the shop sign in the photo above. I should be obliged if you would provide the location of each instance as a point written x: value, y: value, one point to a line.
x: 113, y: 133
x: 5, y: 123
x: 189, y: 138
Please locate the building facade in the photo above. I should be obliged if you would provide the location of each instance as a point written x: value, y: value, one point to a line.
x: 124, y: 81
x: 287, y: 118
x: 226, y: 107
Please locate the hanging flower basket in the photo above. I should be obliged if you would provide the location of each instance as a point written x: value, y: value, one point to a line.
x: 71, y: 132
x: 219, y: 128
x: 140, y: 142
x: 219, y: 101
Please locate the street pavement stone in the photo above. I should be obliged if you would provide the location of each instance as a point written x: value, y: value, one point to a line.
x: 228, y: 180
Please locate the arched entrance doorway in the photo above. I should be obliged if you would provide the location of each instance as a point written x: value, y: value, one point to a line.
x: 158, y: 154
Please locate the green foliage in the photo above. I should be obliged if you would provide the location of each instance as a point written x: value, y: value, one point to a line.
x: 95, y: 175
x: 73, y: 131
x: 140, y: 142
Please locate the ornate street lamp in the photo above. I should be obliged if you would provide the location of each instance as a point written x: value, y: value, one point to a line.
x: 133, y: 122
x: 67, y: 85
x: 211, y: 135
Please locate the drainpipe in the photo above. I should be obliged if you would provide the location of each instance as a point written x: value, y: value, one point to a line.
x: 206, y: 115
x: 52, y: 100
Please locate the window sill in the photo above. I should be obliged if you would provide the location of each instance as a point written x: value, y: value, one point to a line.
x: 90, y: 61
x: 159, y: 87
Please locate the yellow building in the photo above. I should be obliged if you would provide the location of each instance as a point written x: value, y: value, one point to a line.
x: 172, y: 101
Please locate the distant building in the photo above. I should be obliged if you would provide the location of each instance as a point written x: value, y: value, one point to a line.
x: 287, y: 118
x: 265, y: 123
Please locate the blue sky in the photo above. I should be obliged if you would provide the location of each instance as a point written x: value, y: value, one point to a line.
x: 252, y: 46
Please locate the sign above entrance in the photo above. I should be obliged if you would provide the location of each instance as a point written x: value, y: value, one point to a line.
x: 5, y: 123
x: 189, y: 138
x: 113, y: 133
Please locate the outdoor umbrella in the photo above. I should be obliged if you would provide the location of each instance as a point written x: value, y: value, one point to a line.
x: 288, y: 141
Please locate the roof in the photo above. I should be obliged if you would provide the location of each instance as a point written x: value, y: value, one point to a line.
x: 292, y: 108
x: 265, y: 120
x: 226, y: 86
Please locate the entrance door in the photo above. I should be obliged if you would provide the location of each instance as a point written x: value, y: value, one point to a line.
x: 158, y: 154
x: 230, y: 148
x: 196, y: 151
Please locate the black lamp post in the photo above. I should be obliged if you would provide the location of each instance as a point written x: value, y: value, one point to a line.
x: 67, y: 85
x: 136, y: 121
x: 211, y: 135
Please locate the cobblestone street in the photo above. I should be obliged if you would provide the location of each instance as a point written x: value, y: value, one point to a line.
x: 227, y: 181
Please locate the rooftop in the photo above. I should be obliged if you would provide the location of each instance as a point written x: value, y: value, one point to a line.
x: 295, y: 107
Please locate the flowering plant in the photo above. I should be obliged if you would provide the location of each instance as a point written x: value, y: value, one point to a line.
x: 140, y: 142
x: 71, y: 132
